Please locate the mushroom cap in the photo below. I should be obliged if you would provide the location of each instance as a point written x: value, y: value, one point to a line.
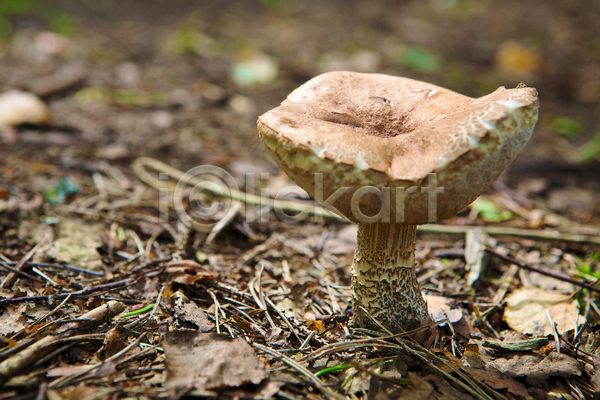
x: 384, y: 131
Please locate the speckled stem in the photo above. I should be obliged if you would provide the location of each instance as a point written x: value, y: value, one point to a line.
x: 384, y: 280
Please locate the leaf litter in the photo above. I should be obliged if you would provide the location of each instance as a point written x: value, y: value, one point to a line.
x: 271, y: 318
x: 208, y: 361
x: 533, y: 311
x: 110, y: 296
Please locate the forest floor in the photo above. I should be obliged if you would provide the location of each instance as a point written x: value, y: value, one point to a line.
x: 107, y: 292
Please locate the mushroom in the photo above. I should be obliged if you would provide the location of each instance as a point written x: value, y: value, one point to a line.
x: 390, y: 153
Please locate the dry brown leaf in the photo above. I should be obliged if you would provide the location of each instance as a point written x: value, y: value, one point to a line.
x: 444, y: 389
x: 115, y: 341
x: 357, y: 381
x: 188, y: 311
x: 527, y: 310
x: 187, y: 272
x: 438, y: 307
x: 420, y: 389
x: 537, y: 368
x: 517, y: 61
x: 208, y: 361
x: 13, y: 319
x: 497, y: 380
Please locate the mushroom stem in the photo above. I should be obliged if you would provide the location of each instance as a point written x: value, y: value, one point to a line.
x: 384, y: 280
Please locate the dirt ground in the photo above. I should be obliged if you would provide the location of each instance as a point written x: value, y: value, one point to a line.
x: 135, y: 82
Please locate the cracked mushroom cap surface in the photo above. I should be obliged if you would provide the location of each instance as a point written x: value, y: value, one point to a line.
x: 383, y: 131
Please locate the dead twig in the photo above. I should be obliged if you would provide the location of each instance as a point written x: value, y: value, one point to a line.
x: 255, y: 286
x: 28, y: 356
x: 16, y: 271
x: 107, y: 286
x: 283, y: 318
x: 543, y: 272
x: 258, y: 249
x: 498, y: 230
x: 158, y: 300
x: 46, y: 277
x: 224, y: 222
x: 140, y: 164
x: 76, y: 377
x: 12, y: 275
x: 51, y: 313
x: 504, y: 285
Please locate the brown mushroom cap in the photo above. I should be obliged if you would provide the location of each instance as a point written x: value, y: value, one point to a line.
x: 384, y: 131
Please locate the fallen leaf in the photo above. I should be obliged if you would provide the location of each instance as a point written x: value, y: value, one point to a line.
x: 13, y: 318
x: 489, y: 211
x: 527, y: 310
x: 420, y: 389
x: 592, y: 344
x: 34, y: 231
x: 208, y: 361
x: 187, y: 272
x: 444, y: 390
x: 537, y: 368
x: 497, y: 380
x: 438, y: 307
x: 188, y: 311
x: 65, y: 78
x: 560, y: 390
x: 357, y: 381
x: 115, y: 341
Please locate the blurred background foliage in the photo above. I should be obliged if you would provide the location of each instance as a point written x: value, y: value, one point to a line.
x: 250, y: 54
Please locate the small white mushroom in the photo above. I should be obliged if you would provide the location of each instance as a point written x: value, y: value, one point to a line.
x: 18, y: 107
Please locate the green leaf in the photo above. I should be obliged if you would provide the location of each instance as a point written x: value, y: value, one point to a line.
x: 5, y: 27
x: 419, y: 59
x: 136, y: 312
x: 586, y: 266
x: 490, y: 212
x: 93, y: 94
x: 332, y: 369
x: 185, y: 40
x: 566, y: 126
x: 62, y: 24
x: 58, y: 194
x: 8, y: 7
x: 590, y: 149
